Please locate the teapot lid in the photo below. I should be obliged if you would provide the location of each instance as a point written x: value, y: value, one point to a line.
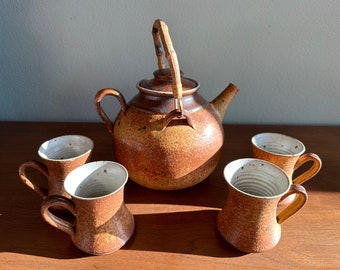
x: 162, y: 84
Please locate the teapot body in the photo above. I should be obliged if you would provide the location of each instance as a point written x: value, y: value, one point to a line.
x: 172, y: 157
x: 168, y: 136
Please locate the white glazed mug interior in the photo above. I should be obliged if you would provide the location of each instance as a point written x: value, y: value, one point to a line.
x: 96, y: 179
x: 65, y: 147
x: 256, y: 178
x: 278, y: 144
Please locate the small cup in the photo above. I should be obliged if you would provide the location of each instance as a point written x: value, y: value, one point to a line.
x: 103, y: 223
x: 59, y: 156
x: 287, y: 153
x: 249, y: 220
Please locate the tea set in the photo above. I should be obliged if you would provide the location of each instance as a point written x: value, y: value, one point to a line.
x: 168, y: 137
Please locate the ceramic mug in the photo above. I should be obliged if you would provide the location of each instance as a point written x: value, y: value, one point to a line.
x: 249, y: 220
x: 287, y: 153
x: 103, y: 222
x: 59, y: 156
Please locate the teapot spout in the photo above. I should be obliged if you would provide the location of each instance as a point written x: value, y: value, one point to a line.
x: 222, y: 101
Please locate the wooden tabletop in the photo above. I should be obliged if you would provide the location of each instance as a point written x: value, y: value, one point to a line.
x: 174, y: 229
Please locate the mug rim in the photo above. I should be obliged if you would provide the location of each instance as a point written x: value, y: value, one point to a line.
x: 245, y: 161
x: 73, y: 174
x: 255, y: 137
x: 89, y: 141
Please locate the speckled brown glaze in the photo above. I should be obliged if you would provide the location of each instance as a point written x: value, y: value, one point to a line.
x: 290, y: 159
x: 102, y: 224
x: 248, y: 222
x: 167, y: 136
x: 56, y: 169
x: 288, y: 162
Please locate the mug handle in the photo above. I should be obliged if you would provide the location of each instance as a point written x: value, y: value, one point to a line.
x: 313, y: 170
x: 59, y: 202
x: 298, y: 202
x: 36, y: 165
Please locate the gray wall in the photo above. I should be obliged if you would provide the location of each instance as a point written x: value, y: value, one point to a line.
x: 283, y: 55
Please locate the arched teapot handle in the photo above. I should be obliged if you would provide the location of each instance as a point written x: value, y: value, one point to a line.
x: 99, y: 97
x: 160, y: 33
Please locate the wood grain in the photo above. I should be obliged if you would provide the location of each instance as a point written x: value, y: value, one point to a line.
x: 174, y: 229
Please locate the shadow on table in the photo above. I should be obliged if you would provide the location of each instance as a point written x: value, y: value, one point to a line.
x: 191, y: 233
x: 23, y: 231
x: 212, y: 193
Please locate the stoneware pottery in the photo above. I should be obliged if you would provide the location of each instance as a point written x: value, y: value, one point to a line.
x: 249, y: 221
x: 59, y: 156
x: 287, y: 153
x: 168, y: 137
x: 103, y: 224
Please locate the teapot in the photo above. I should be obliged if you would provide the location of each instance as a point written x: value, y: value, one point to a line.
x: 168, y: 136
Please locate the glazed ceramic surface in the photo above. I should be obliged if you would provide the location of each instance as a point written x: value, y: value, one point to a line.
x: 103, y: 222
x: 287, y: 153
x: 249, y: 219
x: 167, y: 136
x: 59, y: 156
